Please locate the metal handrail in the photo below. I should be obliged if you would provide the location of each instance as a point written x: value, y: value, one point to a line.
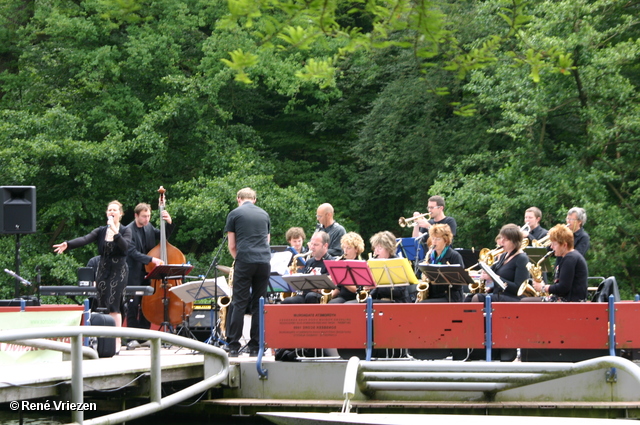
x: 476, y: 376
x: 216, y: 366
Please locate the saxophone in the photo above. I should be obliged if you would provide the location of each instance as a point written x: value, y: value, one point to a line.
x: 223, y: 303
x: 535, y: 270
x: 423, y: 289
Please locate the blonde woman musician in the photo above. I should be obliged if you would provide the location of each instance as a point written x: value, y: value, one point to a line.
x: 352, y: 246
x: 441, y: 252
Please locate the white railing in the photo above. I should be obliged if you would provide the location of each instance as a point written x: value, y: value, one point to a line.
x: 216, y: 366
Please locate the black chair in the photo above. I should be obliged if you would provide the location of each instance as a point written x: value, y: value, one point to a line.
x: 607, y: 287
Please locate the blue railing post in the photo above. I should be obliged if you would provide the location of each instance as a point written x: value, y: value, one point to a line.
x: 369, y: 313
x: 612, y: 375
x: 264, y: 373
x: 488, y: 337
x: 86, y: 315
x: 23, y: 304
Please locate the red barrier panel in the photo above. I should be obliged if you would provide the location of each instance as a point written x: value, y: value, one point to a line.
x: 315, y: 326
x: 454, y: 325
x: 627, y: 315
x: 550, y: 325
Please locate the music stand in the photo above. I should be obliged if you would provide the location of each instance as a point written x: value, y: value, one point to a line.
x: 410, y: 248
x: 535, y: 254
x: 494, y: 277
x: 392, y: 272
x: 350, y: 272
x: 446, y: 274
x: 199, y: 290
x: 309, y: 282
x: 166, y: 272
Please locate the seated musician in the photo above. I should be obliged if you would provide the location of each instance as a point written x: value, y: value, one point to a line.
x: 295, y: 238
x: 384, y: 246
x: 571, y: 272
x: 319, y: 246
x: 352, y: 246
x: 510, y: 266
x: 442, y: 252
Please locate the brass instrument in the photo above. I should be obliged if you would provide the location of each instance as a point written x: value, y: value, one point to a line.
x: 535, y: 270
x: 293, y: 268
x: 541, y: 243
x: 404, y: 222
x: 525, y: 228
x: 488, y: 256
x: 423, y: 290
x: 362, y: 295
x: 223, y: 302
x: 477, y: 287
x: 326, y: 295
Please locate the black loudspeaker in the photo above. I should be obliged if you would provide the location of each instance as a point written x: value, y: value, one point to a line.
x: 17, y: 209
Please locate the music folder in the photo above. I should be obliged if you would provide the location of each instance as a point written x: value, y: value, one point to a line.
x: 172, y: 271
x: 446, y: 274
x: 392, y: 271
x: 201, y: 289
x: 350, y: 272
x: 308, y: 282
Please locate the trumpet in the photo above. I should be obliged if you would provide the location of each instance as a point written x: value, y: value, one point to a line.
x: 404, y: 222
x: 525, y: 228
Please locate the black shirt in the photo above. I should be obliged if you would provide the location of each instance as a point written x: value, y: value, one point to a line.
x: 251, y: 225
x: 581, y: 241
x: 537, y: 234
x: 570, y: 277
x: 447, y: 220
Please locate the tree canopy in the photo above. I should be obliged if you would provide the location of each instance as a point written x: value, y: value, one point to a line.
x: 371, y: 106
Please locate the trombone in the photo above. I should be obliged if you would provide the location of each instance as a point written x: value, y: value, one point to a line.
x: 404, y: 222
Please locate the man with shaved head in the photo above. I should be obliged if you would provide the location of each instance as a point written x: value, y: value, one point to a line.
x: 331, y: 227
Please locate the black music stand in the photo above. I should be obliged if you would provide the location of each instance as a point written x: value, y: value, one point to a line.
x: 167, y: 272
x: 309, y: 282
x: 446, y: 274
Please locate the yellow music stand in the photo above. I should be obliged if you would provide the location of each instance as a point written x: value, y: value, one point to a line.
x: 392, y: 272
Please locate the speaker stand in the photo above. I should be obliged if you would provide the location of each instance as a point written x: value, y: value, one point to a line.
x: 17, y: 285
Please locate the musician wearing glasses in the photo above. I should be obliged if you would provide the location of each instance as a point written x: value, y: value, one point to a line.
x: 435, y: 207
x: 352, y: 245
x: 442, y: 252
x: 384, y: 247
x: 510, y: 266
x: 327, y: 224
x: 571, y: 271
x: 532, y: 217
x: 576, y: 219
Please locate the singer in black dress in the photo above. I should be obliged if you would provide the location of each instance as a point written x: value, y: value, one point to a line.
x: 111, y: 276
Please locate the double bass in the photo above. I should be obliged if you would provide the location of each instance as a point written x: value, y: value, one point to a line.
x: 153, y: 306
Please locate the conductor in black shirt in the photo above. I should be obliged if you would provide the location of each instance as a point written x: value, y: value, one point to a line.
x: 249, y: 232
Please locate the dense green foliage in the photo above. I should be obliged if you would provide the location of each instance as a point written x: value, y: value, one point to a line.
x: 103, y: 100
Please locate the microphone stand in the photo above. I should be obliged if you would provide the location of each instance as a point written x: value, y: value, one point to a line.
x: 214, y: 338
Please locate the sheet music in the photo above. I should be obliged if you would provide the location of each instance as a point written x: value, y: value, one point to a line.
x: 198, y: 290
x: 496, y: 279
x: 280, y: 262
